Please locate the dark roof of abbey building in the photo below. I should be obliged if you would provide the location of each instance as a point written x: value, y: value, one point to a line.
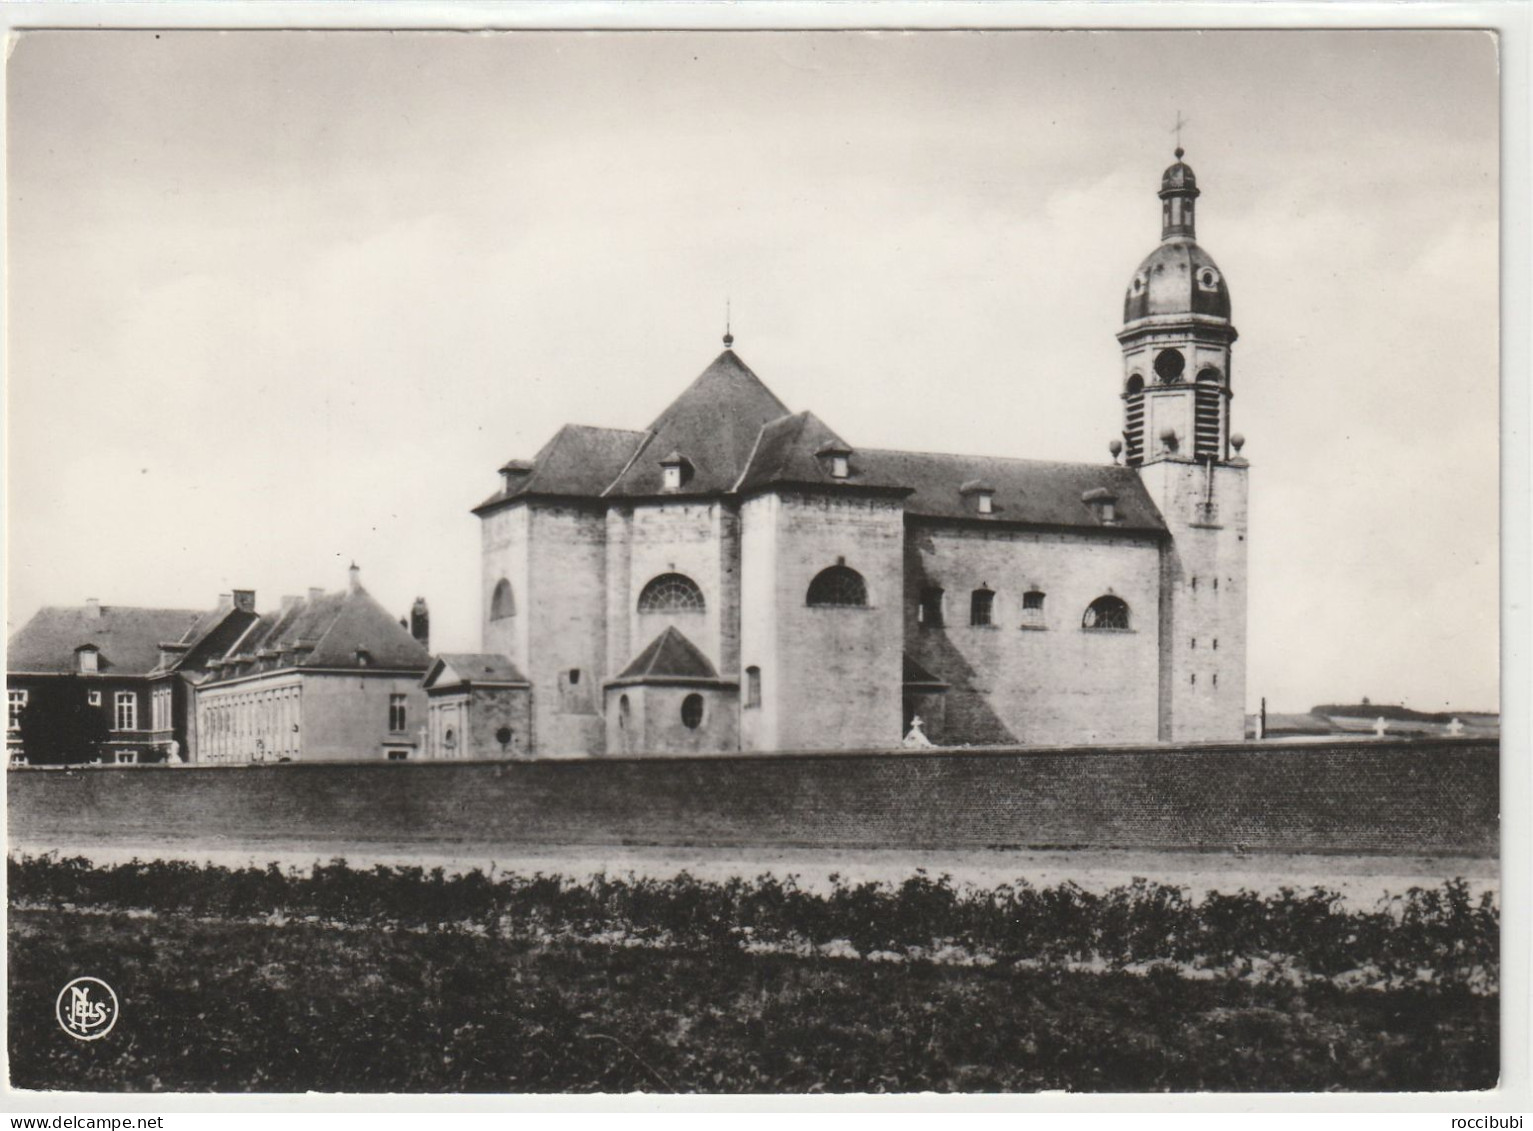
x: 347, y: 630
x: 733, y: 436
x: 127, y: 639
x: 713, y: 426
x: 581, y: 461
x: 1028, y: 491
x: 669, y: 658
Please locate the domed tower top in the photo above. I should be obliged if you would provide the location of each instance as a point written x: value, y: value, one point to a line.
x: 1178, y: 189
x: 1178, y: 277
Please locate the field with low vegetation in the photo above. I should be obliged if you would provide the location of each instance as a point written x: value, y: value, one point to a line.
x: 399, y: 979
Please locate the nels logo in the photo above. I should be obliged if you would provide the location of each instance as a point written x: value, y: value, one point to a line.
x: 87, y: 1009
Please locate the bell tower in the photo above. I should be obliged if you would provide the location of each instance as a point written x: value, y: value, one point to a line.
x: 1176, y: 339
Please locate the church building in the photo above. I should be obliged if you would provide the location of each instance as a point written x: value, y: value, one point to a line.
x: 740, y: 577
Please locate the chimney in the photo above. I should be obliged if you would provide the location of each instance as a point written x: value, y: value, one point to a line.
x: 315, y: 593
x: 420, y: 623
x: 289, y: 601
x: 354, y: 581
x: 244, y: 600
x: 225, y: 602
x: 92, y: 607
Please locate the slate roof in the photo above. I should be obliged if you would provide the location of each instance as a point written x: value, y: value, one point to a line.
x: 739, y: 438
x: 787, y: 452
x: 713, y: 424
x: 325, y: 631
x: 1029, y: 491
x: 580, y: 461
x: 669, y: 657
x: 127, y: 638
x: 464, y: 668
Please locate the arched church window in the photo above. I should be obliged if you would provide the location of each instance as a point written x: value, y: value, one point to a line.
x: 981, y: 607
x: 837, y: 586
x: 1135, y: 385
x: 1032, y: 609
x: 501, y: 602
x: 1208, y: 376
x: 1106, y: 613
x: 753, y: 686
x: 692, y: 711
x: 672, y: 593
x: 1169, y: 365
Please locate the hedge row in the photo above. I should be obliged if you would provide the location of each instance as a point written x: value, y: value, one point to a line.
x: 1435, y: 935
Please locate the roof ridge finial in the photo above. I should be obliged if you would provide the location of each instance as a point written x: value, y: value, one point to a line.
x: 1177, y: 129
x: 729, y: 338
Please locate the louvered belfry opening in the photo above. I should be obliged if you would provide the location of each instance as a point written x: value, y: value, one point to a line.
x: 1133, y: 428
x: 1207, y: 424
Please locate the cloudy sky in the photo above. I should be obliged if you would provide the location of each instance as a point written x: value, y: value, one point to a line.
x: 278, y: 301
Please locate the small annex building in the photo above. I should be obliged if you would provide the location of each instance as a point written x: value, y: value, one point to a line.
x: 741, y: 576
x: 477, y: 706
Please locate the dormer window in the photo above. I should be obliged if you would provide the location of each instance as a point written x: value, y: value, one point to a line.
x: 1103, y: 503
x: 513, y: 474
x: 675, y: 471
x: 88, y: 657
x: 837, y: 460
x: 980, y: 494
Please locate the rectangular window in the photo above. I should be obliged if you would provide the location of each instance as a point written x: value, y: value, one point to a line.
x: 399, y: 755
x: 397, y: 714
x: 93, y: 698
x: 981, y: 606
x: 16, y: 701
x: 127, y: 757
x: 929, y: 612
x: 126, y: 717
x: 88, y: 660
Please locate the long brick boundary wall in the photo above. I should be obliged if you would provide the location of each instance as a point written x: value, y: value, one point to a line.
x: 1388, y: 797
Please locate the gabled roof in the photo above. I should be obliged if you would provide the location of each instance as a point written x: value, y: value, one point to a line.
x: 788, y: 452
x: 713, y: 425
x: 348, y: 630
x: 1033, y: 492
x: 668, y: 658
x: 207, y: 635
x: 580, y: 461
x: 127, y: 638
x: 478, y: 669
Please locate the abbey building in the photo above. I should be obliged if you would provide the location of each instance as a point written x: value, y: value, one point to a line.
x: 738, y: 576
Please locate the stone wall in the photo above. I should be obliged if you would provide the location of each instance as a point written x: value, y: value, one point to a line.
x: 1037, y: 679
x: 1394, y: 797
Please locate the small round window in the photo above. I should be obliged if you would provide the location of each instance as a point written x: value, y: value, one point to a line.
x: 692, y: 711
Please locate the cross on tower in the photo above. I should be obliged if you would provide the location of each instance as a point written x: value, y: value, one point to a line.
x: 1177, y: 129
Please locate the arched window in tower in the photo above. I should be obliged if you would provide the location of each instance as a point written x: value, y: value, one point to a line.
x: 672, y: 593
x: 1208, y: 375
x: 837, y: 586
x: 502, y: 604
x: 1170, y: 365
x: 1107, y: 613
x: 1135, y: 385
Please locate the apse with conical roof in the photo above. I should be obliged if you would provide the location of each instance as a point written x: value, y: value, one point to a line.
x: 1176, y: 339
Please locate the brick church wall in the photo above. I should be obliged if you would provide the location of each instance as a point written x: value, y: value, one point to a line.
x: 1392, y: 797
